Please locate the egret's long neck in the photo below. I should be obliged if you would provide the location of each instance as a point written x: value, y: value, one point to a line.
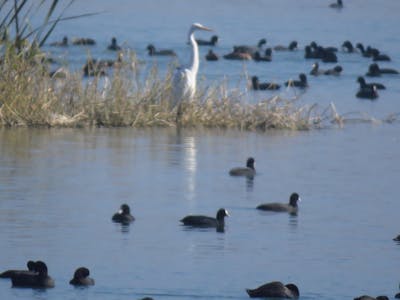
x: 194, y: 65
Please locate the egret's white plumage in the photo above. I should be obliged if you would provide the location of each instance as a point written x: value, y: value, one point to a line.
x: 184, y: 80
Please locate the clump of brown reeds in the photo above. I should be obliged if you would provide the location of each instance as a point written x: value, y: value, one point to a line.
x: 29, y: 96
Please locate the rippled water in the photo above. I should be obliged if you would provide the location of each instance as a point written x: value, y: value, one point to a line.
x: 60, y: 187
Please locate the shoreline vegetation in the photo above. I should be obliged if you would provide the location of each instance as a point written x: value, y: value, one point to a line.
x: 31, y: 96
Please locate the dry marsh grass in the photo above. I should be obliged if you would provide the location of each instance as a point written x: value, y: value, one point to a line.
x: 30, y: 97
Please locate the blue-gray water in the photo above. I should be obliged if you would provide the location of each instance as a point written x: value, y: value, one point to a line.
x: 60, y: 187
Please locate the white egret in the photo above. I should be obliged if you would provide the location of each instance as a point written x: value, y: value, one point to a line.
x: 184, y: 80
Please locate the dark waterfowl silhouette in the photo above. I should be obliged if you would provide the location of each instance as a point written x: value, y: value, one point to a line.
x: 250, y: 49
x: 302, y: 83
x: 290, y: 207
x: 81, y: 277
x: 211, y: 56
x: 375, y: 71
x: 338, y: 4
x: 367, y: 93
x: 336, y: 71
x: 292, y: 46
x: 328, y: 56
x: 41, y: 279
x: 267, y: 55
x: 363, y: 84
x: 275, y: 289
x: 377, y: 56
x: 248, y: 171
x: 204, y: 221
x: 366, y: 297
x: 365, y: 52
x: 93, y: 68
x: 212, y: 42
x: 9, y: 273
x: 63, y: 43
x: 163, y: 52
x: 263, y: 86
x: 397, y: 296
x: 347, y: 46
x: 309, y: 53
x: 114, y: 45
x: 83, y: 41
x: 315, y: 70
x: 238, y: 56
x: 397, y: 238
x: 123, y: 215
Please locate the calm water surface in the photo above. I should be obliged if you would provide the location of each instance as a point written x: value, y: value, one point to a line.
x: 59, y: 188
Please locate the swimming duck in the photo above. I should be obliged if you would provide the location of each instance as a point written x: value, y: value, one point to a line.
x: 290, y: 207
x: 374, y: 70
x: 397, y: 238
x: 93, y: 68
x: 337, y: 70
x: 248, y: 171
x: 163, y: 52
x: 275, y: 289
x: 367, y: 93
x: 377, y: 56
x: 338, y: 4
x: 84, y: 41
x: 212, y: 42
x: 63, y: 43
x: 347, y: 46
x: 366, y: 297
x: 204, y: 221
x: 9, y: 273
x: 328, y: 56
x: 302, y: 83
x: 315, y: 71
x: 238, y: 56
x: 41, y: 279
x: 123, y: 215
x: 81, y: 277
x: 114, y: 45
x: 365, y: 52
x: 292, y: 46
x: 267, y: 56
x: 363, y: 84
x: 263, y: 86
x: 211, y: 56
x: 250, y: 49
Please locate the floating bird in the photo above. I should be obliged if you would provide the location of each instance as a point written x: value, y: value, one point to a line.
x: 250, y: 49
x: 290, y: 207
x: 292, y: 46
x: 203, y: 221
x: 211, y: 56
x: 114, y: 45
x: 336, y: 71
x: 263, y: 86
x: 338, y: 4
x: 347, y: 46
x: 275, y: 289
x: 302, y: 83
x: 367, y: 93
x: 366, y: 52
x: 248, y: 171
x: 84, y: 41
x: 212, y: 42
x: 366, y: 297
x: 184, y: 79
x: 363, y: 84
x: 123, y: 215
x: 163, y: 52
x: 9, y: 273
x: 397, y: 238
x: 238, y: 56
x: 315, y: 71
x: 41, y: 279
x: 267, y: 55
x: 374, y: 70
x: 93, y: 68
x: 63, y: 43
x: 377, y: 56
x: 81, y: 277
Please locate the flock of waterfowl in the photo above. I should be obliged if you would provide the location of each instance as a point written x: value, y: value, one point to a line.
x: 36, y: 276
x: 257, y: 53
